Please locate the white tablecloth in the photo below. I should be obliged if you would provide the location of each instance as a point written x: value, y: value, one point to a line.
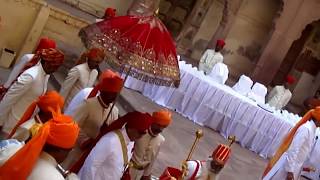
x: 221, y: 108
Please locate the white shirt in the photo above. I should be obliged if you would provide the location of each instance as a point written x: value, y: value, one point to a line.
x: 146, y: 150
x: 314, y: 160
x: 105, y: 161
x: 79, y: 98
x: 209, y: 59
x: 279, y: 97
x: 90, y: 116
x: 292, y: 160
x: 45, y: 167
x: 30, y: 85
x: 79, y: 77
x: 17, y: 69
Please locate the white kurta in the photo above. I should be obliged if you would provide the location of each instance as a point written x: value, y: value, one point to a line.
x: 78, y: 99
x: 279, y: 97
x: 209, y: 59
x: 17, y: 69
x: 45, y: 167
x: 292, y: 160
x: 90, y: 116
x: 145, y: 153
x: 79, y: 77
x: 30, y: 85
x: 314, y: 160
x: 105, y: 161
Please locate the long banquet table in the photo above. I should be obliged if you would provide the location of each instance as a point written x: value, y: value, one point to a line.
x: 219, y: 107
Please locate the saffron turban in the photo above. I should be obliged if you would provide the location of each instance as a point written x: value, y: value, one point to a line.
x: 45, y: 43
x: 221, y: 43
x: 162, y: 117
x: 51, y: 100
x: 61, y: 131
x: 312, y: 114
x: 109, y: 81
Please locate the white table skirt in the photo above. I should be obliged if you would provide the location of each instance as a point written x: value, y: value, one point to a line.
x: 220, y: 108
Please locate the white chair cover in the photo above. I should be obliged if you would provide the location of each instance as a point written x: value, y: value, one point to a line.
x: 258, y: 93
x: 219, y: 73
x: 243, y: 86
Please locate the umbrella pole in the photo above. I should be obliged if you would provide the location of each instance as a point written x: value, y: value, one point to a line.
x: 118, y: 94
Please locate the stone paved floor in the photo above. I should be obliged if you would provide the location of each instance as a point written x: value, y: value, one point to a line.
x: 243, y: 165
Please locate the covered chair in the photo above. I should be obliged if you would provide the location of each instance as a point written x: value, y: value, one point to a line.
x: 258, y: 93
x: 243, y: 86
x: 219, y: 73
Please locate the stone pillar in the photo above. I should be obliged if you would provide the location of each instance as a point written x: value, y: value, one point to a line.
x: 294, y: 18
x: 34, y: 34
x: 230, y: 11
x: 192, y: 25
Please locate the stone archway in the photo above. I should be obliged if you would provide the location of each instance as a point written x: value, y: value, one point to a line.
x: 295, y: 17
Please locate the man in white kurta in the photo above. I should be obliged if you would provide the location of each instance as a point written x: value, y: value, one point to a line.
x: 211, y: 57
x: 110, y: 157
x: 30, y: 85
x: 280, y: 96
x: 313, y: 162
x: 92, y: 113
x: 146, y: 149
x: 291, y: 162
x: 44, y: 43
x: 82, y: 75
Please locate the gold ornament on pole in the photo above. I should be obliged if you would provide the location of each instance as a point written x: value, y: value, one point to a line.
x: 199, y: 134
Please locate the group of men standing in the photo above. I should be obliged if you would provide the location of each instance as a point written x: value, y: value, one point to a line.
x: 43, y: 141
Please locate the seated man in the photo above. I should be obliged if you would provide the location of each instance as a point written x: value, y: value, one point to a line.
x: 281, y: 95
x: 211, y: 57
x: 39, y: 158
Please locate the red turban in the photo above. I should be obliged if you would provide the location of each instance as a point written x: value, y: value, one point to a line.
x: 109, y: 13
x: 51, y: 100
x: 61, y: 131
x: 290, y: 79
x: 221, y: 43
x: 109, y: 81
x: 45, y: 43
x: 94, y: 53
x: 51, y: 55
x: 162, y: 117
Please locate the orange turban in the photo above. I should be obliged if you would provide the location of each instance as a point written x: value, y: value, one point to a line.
x: 312, y: 114
x: 51, y: 100
x: 109, y: 81
x: 94, y: 53
x: 45, y: 43
x: 61, y: 131
x: 162, y: 117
